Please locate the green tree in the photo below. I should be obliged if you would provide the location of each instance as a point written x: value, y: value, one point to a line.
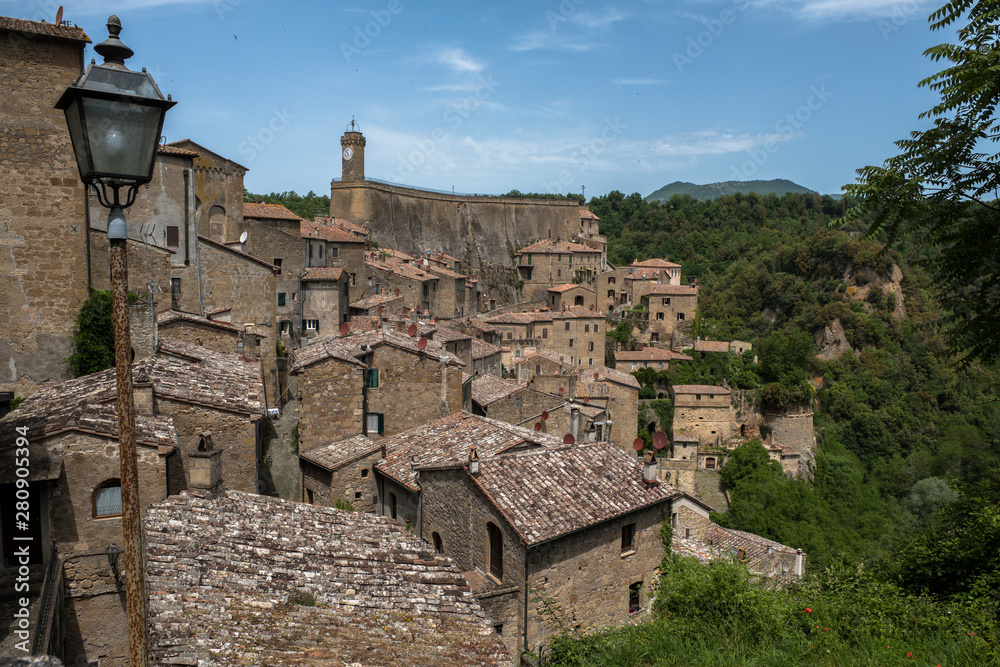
x: 942, y: 187
x: 94, y: 340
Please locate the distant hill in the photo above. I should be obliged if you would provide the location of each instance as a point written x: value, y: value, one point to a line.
x: 778, y: 186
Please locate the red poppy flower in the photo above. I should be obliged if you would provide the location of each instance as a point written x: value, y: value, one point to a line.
x: 808, y: 610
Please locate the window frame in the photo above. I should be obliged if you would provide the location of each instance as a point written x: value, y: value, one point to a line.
x: 114, y: 482
x: 628, y: 539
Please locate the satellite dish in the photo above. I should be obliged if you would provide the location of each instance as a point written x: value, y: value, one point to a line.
x: 59, y: 15
x: 584, y: 400
x: 345, y: 328
x: 412, y: 330
x: 435, y: 319
x: 422, y: 343
x: 637, y: 444
x: 659, y: 439
x: 397, y: 291
x: 538, y: 426
x: 568, y: 439
x: 243, y: 237
x: 560, y: 391
x: 545, y: 415
x: 379, y: 310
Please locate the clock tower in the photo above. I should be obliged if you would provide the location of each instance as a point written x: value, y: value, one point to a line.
x: 353, y: 155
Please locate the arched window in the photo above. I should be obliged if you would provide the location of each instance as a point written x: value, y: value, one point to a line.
x: 108, y: 499
x: 496, y: 550
x: 438, y: 545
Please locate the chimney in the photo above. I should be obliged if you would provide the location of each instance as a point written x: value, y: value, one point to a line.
x: 574, y: 422
x: 649, y: 467
x: 205, y: 471
x: 474, y: 461
x: 142, y: 390
x: 799, y: 562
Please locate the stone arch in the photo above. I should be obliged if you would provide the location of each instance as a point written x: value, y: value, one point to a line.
x: 217, y: 223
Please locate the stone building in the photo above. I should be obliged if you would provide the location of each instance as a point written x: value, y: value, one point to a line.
x: 43, y: 206
x: 416, y: 286
x: 218, y: 192
x: 546, y: 263
x: 324, y: 303
x: 485, y: 358
x: 672, y: 310
x: 576, y: 332
x: 544, y: 368
x: 590, y: 235
x: 373, y: 383
x: 705, y: 410
x: 560, y: 536
x: 317, y: 586
x: 620, y: 401
x: 562, y: 296
x: 376, y: 304
x: 75, y: 503
x: 517, y: 404
x: 333, y: 247
x: 657, y: 358
x: 342, y: 471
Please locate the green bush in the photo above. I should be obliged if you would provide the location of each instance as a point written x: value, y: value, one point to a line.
x: 94, y: 339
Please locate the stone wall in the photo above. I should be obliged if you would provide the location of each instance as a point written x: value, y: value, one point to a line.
x: 234, y: 433
x: 575, y: 336
x: 413, y: 390
x: 680, y: 474
x: 669, y: 314
x: 345, y: 483
x: 581, y: 581
x: 478, y: 230
x: 522, y: 405
x: 43, y: 247
x: 147, y: 265
x: 205, y: 335
x: 142, y: 327
x: 690, y: 520
x: 218, y: 187
x: 711, y: 417
x: 623, y: 409
x: 331, y: 405
x: 325, y: 301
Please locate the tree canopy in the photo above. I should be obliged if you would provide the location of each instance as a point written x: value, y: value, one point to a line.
x: 943, y: 186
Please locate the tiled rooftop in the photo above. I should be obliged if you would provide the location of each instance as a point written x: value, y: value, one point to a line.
x: 651, y: 354
x: 481, y: 325
x: 333, y: 234
x: 553, y: 491
x: 587, y: 214
x: 547, y: 246
x: 47, y: 418
x: 701, y: 389
x: 761, y: 555
x: 657, y: 264
x: 521, y: 318
x: 481, y: 350
x: 43, y: 28
x: 267, y: 212
x: 604, y: 374
x: 534, y: 354
x: 711, y: 346
x: 342, y: 452
x: 348, y: 348
x: 222, y: 573
x: 376, y: 300
x: 315, y: 273
x: 163, y: 149
x: 488, y: 389
x: 569, y: 286
x: 444, y: 334
x: 169, y: 316
x: 178, y: 370
x: 447, y: 442
x: 674, y: 290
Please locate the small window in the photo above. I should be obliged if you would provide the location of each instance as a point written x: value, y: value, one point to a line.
x: 559, y: 273
x: 108, y: 499
x: 628, y: 538
x: 285, y: 327
x: 590, y: 346
x: 372, y: 378
x: 611, y: 294
x: 357, y: 495
x: 496, y: 550
x: 571, y: 341
x: 687, y: 531
x: 666, y: 301
x: 334, y: 251
x: 655, y: 337
x: 277, y: 263
x: 545, y: 333
x: 281, y: 299
x: 538, y: 369
x: 321, y: 251
x: 498, y: 628
x: 175, y: 286
x: 375, y: 423
x: 597, y: 328
x: 310, y: 496
x: 173, y: 236
x: 660, y: 316
x: 673, y: 520
x: 635, y: 597
x: 591, y: 361
x: 364, y: 473
x: 567, y: 326
x: 680, y: 316
x: 586, y: 329
x: 510, y: 335
x: 438, y: 544
x: 611, y: 281
x: 312, y: 325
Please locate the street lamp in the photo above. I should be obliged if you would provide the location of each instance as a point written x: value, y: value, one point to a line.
x: 115, y: 117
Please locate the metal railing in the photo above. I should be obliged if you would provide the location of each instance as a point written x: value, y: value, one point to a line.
x: 48, y: 631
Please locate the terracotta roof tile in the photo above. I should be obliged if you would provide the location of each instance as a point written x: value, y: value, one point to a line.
x: 701, y: 389
x: 222, y: 573
x: 42, y: 28
x: 533, y: 354
x: 651, y: 354
x: 569, y: 286
x: 605, y: 374
x: 447, y: 441
x: 657, y: 263
x: 348, y: 348
x: 268, y: 212
x: 488, y: 389
x: 674, y: 290
x: 444, y: 334
x: 168, y: 316
x: 164, y: 149
x: 711, y: 346
x: 342, y: 452
x: 47, y: 418
x: 481, y: 350
x: 587, y: 214
x: 311, y: 230
x: 375, y: 300
x: 547, y: 246
x: 323, y: 273
x: 553, y: 491
x: 521, y: 318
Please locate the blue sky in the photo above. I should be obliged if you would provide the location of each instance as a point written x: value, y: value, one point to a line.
x: 542, y: 96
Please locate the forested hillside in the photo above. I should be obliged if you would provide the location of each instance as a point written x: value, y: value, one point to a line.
x: 902, y: 508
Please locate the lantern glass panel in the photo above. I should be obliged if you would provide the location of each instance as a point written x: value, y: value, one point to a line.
x: 122, y: 137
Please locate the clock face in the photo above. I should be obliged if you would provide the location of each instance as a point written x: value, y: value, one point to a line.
x: 348, y: 153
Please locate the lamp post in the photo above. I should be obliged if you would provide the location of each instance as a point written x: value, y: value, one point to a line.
x: 115, y: 117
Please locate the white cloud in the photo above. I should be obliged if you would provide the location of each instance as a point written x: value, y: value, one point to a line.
x: 459, y: 61
x: 548, y: 40
x: 820, y: 10
x: 602, y: 21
